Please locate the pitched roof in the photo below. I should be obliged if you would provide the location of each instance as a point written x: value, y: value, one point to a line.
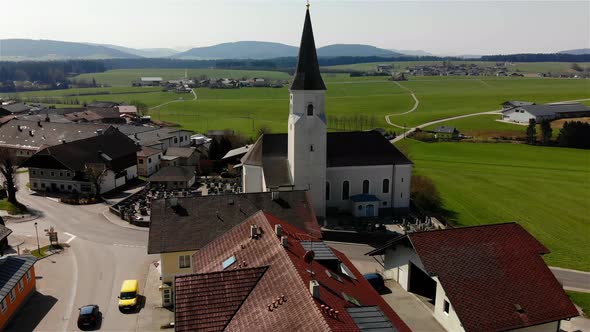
x: 130, y: 129
x: 203, y: 219
x: 515, y: 103
x: 550, y: 109
x: 102, y: 104
x: 147, y: 151
x: 4, y: 232
x: 486, y: 271
x: 12, y: 269
x: 307, y: 74
x: 16, y: 108
x: 444, y: 129
x: 94, y: 114
x: 361, y: 148
x: 173, y: 173
x: 21, y: 133
x: 180, y: 152
x: 287, y: 275
x: 111, y: 147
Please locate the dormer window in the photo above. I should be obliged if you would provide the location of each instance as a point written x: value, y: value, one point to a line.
x: 310, y: 110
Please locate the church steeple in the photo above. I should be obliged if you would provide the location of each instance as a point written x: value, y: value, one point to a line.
x: 307, y: 74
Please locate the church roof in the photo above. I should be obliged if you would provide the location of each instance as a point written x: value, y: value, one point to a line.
x: 361, y: 148
x: 307, y: 74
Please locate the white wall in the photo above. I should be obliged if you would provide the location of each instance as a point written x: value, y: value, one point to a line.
x: 356, y: 175
x: 252, y: 179
x: 449, y: 321
x: 401, y: 186
x: 396, y: 264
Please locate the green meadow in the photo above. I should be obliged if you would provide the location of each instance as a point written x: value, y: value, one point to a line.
x: 525, y: 67
x: 544, y: 189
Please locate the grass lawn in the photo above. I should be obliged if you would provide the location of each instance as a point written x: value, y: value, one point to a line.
x: 484, y: 126
x: 582, y: 300
x: 544, y: 189
x: 45, y: 251
x: 525, y: 67
x: 11, y: 208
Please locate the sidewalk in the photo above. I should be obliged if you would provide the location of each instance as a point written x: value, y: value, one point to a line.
x: 113, y: 219
x: 153, y: 315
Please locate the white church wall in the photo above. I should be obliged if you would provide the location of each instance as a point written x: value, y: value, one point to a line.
x: 355, y: 175
x: 401, y: 186
x: 252, y: 179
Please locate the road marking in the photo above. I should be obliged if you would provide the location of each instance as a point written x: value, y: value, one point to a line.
x: 127, y: 245
x: 74, y: 291
x: 72, y: 237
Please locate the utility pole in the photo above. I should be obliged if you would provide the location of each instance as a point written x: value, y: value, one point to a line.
x: 38, y: 246
x: 404, y: 131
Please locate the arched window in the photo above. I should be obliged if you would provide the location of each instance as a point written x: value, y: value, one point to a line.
x: 310, y: 110
x: 366, y: 187
x: 345, y: 190
x: 385, y: 186
x: 327, y: 191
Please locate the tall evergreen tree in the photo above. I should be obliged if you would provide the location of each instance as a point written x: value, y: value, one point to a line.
x: 531, y: 132
x: 546, y: 132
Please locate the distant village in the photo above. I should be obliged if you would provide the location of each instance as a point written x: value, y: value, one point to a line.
x: 185, y: 85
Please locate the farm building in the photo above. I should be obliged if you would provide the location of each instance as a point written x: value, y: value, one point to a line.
x: 522, y: 114
x: 150, y: 81
x: 333, y: 166
x: 17, y: 285
x: 148, y: 161
x: 481, y: 278
x: 446, y: 132
x: 384, y: 68
x: 174, y: 177
x: 515, y: 103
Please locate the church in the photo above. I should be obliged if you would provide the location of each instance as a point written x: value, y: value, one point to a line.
x: 357, y: 172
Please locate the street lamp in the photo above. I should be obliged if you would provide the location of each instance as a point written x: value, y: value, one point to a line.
x: 38, y: 247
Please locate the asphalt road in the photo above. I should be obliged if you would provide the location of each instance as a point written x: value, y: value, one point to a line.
x: 101, y: 255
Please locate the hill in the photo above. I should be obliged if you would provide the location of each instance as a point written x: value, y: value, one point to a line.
x: 29, y: 49
x: 240, y: 50
x: 577, y: 51
x: 338, y: 50
x: 143, y: 52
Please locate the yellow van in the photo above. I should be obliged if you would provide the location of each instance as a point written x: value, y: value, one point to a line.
x: 128, y: 297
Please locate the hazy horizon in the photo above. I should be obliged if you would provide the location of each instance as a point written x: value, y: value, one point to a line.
x: 439, y: 27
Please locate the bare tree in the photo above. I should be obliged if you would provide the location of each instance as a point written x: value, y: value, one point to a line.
x: 8, y: 170
x: 96, y: 173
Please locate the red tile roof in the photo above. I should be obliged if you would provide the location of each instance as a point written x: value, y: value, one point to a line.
x: 487, y: 270
x: 287, y: 275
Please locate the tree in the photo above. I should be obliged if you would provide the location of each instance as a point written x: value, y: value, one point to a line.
x: 531, y: 132
x: 142, y: 107
x: 546, y: 132
x: 575, y: 134
x: 95, y: 173
x: 214, y: 150
x: 576, y: 67
x: 425, y: 195
x: 8, y: 170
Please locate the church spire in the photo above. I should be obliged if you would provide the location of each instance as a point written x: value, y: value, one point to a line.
x: 307, y: 74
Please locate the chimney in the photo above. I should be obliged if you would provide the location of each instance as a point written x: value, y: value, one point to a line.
x: 279, y: 230
x: 173, y: 201
x: 98, y: 131
x: 253, y: 231
x: 275, y: 195
x: 314, y: 289
x: 19, y: 128
x: 284, y: 241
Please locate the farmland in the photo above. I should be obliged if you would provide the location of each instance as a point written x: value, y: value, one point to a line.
x: 525, y: 67
x: 544, y: 189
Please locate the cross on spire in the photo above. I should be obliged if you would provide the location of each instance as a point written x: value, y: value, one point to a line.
x: 307, y: 4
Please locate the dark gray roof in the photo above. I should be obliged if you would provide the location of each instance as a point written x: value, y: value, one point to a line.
x: 444, y: 129
x: 132, y: 129
x: 103, y: 104
x: 16, y: 108
x: 515, y: 103
x: 53, y: 117
x: 149, y: 138
x: 361, y: 148
x: 550, y: 109
x: 370, y: 319
x: 199, y: 220
x: 307, y: 74
x: 111, y: 148
x: 35, y: 134
x: 4, y: 232
x: 173, y: 174
x: 12, y: 269
x: 180, y: 152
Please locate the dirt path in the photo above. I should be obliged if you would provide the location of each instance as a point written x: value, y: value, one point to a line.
x: 416, y: 104
x: 175, y: 101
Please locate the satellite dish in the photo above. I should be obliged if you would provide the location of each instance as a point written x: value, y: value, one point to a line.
x: 308, y: 257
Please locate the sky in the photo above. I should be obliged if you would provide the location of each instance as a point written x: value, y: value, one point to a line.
x: 440, y: 27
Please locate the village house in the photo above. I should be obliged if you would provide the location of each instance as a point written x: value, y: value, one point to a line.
x: 148, y: 161
x: 169, y: 161
x: 333, y: 166
x: 17, y: 284
x: 25, y: 138
x: 14, y: 109
x: 481, y: 278
x: 173, y: 177
x: 524, y: 113
x: 127, y: 110
x: 187, y: 156
x: 446, y: 133
x: 180, y: 227
x: 161, y: 138
x: 110, y: 155
x: 384, y: 68
x: 97, y: 115
x: 148, y: 81
x: 265, y: 274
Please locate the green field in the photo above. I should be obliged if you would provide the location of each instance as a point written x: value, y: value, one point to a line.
x: 525, y: 67
x: 544, y: 189
x: 582, y: 300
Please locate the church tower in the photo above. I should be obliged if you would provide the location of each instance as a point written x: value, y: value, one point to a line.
x: 307, y: 123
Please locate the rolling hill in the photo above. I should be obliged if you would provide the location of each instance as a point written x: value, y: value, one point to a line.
x: 354, y: 50
x: 576, y: 51
x: 29, y: 49
x: 144, y: 52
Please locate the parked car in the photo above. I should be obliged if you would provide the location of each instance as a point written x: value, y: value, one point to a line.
x: 128, y: 299
x: 376, y: 280
x: 89, y: 317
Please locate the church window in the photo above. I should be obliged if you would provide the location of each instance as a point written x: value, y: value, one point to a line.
x: 310, y: 110
x: 365, y: 186
x: 385, y: 186
x: 327, y: 191
x: 345, y: 190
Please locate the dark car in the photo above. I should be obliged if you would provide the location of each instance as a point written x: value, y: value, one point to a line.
x: 89, y: 317
x: 376, y: 280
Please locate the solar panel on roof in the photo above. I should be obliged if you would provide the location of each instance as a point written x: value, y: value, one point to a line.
x: 370, y: 319
x: 320, y: 249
